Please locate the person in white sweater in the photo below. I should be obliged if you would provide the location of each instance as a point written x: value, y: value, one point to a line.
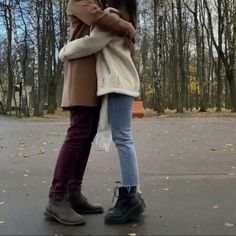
x: 118, y: 84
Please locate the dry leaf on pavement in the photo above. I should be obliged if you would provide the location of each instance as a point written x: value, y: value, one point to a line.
x: 41, y: 151
x: 229, y: 225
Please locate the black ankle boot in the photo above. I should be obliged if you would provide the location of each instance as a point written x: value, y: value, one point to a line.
x: 82, y: 206
x: 129, y: 206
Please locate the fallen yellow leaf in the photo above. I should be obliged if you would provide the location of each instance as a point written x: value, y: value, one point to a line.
x: 2, y: 222
x: 179, y: 152
x: 229, y: 145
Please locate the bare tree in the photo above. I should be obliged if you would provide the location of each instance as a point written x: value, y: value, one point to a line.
x: 229, y: 63
x: 7, y: 14
x: 157, y: 52
x: 185, y: 54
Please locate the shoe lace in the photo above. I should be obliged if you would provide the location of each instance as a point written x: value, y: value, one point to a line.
x: 116, y: 191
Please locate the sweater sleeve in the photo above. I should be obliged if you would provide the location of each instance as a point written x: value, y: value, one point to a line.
x: 91, y: 14
x: 86, y: 46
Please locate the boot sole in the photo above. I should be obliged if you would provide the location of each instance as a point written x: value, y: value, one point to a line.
x: 131, y: 215
x: 99, y: 211
x: 51, y: 216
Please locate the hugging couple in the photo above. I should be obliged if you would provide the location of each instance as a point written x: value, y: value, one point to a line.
x: 99, y: 88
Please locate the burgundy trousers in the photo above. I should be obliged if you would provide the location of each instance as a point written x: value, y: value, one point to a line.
x: 74, y: 154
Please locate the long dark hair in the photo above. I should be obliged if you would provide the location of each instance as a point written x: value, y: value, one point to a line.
x: 104, y: 3
x: 128, y: 11
x: 127, y: 8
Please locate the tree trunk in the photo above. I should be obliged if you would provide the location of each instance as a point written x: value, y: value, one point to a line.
x: 36, y: 59
x: 229, y: 63
x: 18, y: 69
x: 173, y: 60
x: 52, y: 88
x: 8, y: 21
x: 181, y: 94
x: 157, y: 42
x: 232, y: 86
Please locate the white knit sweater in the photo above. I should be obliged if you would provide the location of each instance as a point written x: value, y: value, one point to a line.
x: 116, y: 72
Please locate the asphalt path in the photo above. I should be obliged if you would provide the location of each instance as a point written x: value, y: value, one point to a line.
x: 187, y: 167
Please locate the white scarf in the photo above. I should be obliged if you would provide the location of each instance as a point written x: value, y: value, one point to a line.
x: 104, y: 137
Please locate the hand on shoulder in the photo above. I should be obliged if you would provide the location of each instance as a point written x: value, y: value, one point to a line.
x: 131, y: 31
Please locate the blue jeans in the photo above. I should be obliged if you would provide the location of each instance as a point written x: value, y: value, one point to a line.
x: 120, y: 117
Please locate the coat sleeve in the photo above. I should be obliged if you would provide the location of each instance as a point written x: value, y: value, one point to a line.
x: 91, y: 14
x: 86, y: 46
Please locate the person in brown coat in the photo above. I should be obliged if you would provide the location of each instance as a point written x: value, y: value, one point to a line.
x: 66, y: 202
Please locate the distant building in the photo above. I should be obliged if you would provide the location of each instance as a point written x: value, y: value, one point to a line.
x: 16, y: 97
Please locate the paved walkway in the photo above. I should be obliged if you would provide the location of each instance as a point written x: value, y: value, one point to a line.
x: 188, y: 168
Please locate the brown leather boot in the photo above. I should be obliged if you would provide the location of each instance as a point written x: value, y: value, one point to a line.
x: 62, y: 212
x: 82, y: 206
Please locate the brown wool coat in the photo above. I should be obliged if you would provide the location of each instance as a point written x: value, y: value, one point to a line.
x: 80, y: 80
